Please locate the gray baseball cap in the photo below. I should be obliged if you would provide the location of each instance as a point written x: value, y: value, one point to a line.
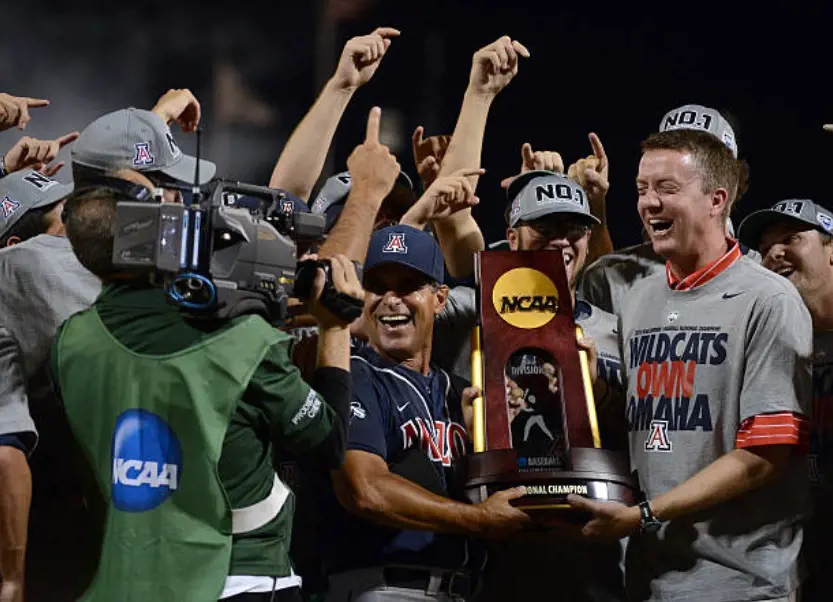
x: 698, y: 117
x: 139, y: 140
x: 337, y: 187
x: 25, y: 190
x: 801, y: 211
x: 535, y: 194
x: 331, y: 197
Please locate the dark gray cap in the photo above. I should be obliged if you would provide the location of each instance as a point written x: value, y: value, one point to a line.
x: 800, y: 211
x: 139, y: 140
x: 25, y: 190
x: 535, y: 194
x: 698, y: 117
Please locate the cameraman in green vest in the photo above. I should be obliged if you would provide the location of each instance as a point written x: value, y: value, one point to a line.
x: 175, y: 421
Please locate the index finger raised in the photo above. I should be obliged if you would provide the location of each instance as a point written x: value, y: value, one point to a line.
x: 387, y: 32
x: 470, y: 171
x: 598, y: 151
x: 36, y: 102
x: 67, y: 139
x: 520, y: 49
x: 373, y: 121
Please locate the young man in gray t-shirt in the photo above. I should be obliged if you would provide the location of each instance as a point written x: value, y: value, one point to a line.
x: 795, y: 238
x: 717, y: 361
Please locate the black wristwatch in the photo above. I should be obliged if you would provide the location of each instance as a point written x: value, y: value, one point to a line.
x: 648, y: 523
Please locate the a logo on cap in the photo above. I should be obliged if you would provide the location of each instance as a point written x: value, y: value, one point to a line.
x: 791, y: 207
x: 825, y: 221
x: 174, y: 148
x: 143, y: 156
x: 344, y: 178
x: 39, y: 181
x: 525, y: 298
x: 286, y: 206
x: 9, y: 206
x: 687, y: 119
x: 729, y: 140
x: 516, y: 207
x: 396, y: 243
x: 147, y: 461
x: 547, y: 193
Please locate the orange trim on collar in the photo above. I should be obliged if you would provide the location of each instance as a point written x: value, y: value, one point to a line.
x: 707, y: 272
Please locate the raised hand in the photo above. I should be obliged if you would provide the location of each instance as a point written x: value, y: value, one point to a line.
x: 494, y: 66
x: 14, y: 110
x: 428, y: 155
x: 591, y: 173
x: 373, y: 169
x: 446, y: 196
x: 180, y: 106
x: 36, y: 154
x: 361, y: 57
x: 533, y: 160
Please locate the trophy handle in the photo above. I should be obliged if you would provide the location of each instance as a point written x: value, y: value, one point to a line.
x: 478, y: 436
x: 588, y: 391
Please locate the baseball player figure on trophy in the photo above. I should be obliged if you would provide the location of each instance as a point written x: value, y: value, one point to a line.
x: 535, y: 424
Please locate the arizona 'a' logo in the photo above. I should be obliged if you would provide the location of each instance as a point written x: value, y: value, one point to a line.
x: 286, y: 206
x: 143, y: 156
x: 658, y: 437
x: 8, y: 206
x: 396, y: 243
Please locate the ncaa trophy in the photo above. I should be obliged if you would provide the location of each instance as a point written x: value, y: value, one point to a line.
x: 535, y: 424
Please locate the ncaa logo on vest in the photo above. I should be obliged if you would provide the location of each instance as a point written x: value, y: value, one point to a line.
x: 147, y: 461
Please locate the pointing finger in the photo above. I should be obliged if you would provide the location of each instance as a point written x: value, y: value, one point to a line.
x: 36, y: 102
x: 387, y: 32
x: 67, y: 139
x: 505, y: 182
x: 520, y: 49
x: 416, y: 138
x: 598, y: 151
x: 527, y: 155
x: 470, y: 171
x: 373, y: 121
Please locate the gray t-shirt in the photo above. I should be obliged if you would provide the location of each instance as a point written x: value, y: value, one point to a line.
x: 14, y: 405
x: 606, y: 281
x: 698, y: 363
x: 41, y: 285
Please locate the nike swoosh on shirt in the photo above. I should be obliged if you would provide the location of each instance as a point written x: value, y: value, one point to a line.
x: 400, y: 408
x: 732, y: 295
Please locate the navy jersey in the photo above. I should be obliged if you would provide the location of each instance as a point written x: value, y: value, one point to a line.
x: 414, y: 423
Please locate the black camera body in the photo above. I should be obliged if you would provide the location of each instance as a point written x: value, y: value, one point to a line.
x: 211, y: 254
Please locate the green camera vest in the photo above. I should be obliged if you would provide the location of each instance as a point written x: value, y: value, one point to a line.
x: 151, y: 428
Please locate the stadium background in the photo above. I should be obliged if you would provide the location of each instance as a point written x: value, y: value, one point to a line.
x: 615, y: 70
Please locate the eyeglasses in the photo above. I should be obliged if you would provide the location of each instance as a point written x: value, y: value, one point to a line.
x: 556, y: 228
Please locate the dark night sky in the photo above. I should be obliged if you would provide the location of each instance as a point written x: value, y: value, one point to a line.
x: 614, y: 70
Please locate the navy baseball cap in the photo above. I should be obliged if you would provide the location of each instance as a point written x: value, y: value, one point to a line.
x: 407, y: 246
x: 798, y: 211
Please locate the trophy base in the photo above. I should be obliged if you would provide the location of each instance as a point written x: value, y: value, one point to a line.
x: 596, y: 474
